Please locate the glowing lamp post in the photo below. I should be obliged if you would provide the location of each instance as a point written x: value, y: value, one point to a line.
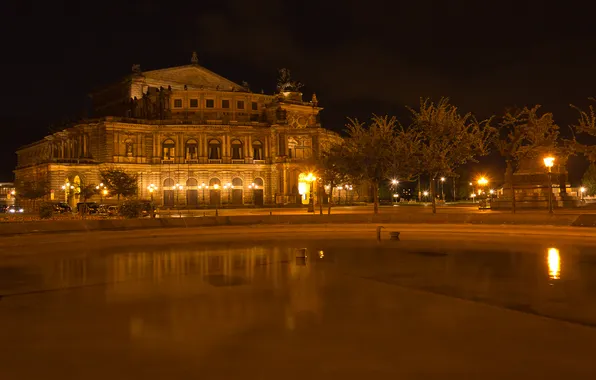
x: 582, y: 190
x: 203, y: 187
x: 253, y: 187
x: 228, y: 187
x: 310, y: 178
x: 151, y: 189
x: 425, y: 194
x: 549, y: 163
x: 442, y: 188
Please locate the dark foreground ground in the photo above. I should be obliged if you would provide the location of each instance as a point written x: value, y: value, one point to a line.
x: 445, y: 302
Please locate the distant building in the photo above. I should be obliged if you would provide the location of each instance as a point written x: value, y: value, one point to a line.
x: 197, y: 137
x: 7, y: 193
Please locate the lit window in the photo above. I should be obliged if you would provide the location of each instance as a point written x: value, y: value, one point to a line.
x: 194, y: 103
x: 225, y: 104
x: 177, y: 103
x: 209, y: 103
x: 240, y: 104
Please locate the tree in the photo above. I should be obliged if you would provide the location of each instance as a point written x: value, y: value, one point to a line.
x: 381, y: 150
x: 589, y: 180
x: 523, y: 135
x: 33, y: 190
x: 118, y: 182
x: 333, y: 170
x: 448, y: 139
x: 585, y: 124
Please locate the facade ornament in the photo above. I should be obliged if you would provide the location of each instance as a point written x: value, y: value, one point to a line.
x: 136, y: 68
x: 314, y: 100
x: 194, y: 59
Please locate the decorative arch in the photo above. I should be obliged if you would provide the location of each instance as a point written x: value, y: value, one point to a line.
x: 192, y: 182
x: 259, y: 182
x: 168, y: 183
x: 192, y: 150
x: 213, y: 182
x: 168, y: 149
x: 237, y: 149
x: 237, y: 182
x: 257, y: 150
x: 214, y: 147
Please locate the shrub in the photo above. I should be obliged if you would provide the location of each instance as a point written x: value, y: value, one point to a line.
x: 131, y: 209
x: 46, y: 210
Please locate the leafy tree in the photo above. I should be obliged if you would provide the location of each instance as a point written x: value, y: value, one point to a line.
x: 333, y: 170
x: 589, y: 180
x: 586, y: 124
x: 119, y: 182
x: 33, y: 190
x: 448, y: 139
x: 524, y: 134
x: 381, y: 150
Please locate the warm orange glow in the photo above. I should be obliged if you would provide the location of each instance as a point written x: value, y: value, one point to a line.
x: 549, y: 161
x: 554, y: 264
x: 482, y: 181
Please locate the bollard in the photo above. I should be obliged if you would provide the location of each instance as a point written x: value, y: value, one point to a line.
x: 379, y: 232
x: 394, y: 235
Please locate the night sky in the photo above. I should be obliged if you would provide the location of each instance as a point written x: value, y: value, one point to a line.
x: 359, y: 57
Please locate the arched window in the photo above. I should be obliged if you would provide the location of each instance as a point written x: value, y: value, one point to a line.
x: 169, y: 149
x: 192, y: 150
x: 214, y: 183
x: 257, y: 150
x: 214, y: 149
x: 237, y: 153
x: 168, y: 184
x: 237, y: 182
x: 192, y: 182
x: 259, y: 182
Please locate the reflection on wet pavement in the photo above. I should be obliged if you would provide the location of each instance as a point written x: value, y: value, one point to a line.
x: 345, y: 309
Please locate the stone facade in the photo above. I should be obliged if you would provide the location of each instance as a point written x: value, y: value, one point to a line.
x: 198, y: 138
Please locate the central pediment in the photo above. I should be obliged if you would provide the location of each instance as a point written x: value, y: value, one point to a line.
x: 193, y: 76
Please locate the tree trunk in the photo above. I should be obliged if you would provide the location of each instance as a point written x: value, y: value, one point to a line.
x: 375, y: 188
x: 330, y: 200
x: 509, y: 172
x: 432, y: 194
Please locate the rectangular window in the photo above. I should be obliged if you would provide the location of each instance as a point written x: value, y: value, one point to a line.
x: 209, y: 103
x: 240, y: 104
x: 194, y: 103
x: 255, y: 106
x: 177, y: 103
x: 225, y: 104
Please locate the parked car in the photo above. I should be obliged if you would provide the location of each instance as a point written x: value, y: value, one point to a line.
x: 15, y: 209
x: 89, y: 207
x: 108, y: 210
x: 62, y: 207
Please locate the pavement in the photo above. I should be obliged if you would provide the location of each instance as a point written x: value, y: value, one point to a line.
x: 444, y: 302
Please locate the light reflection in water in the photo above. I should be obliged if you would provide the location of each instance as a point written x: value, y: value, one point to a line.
x: 554, y: 264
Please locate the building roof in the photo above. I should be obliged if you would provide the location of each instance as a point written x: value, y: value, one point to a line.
x: 193, y: 76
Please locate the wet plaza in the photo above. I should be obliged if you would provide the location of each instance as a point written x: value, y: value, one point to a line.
x: 433, y: 305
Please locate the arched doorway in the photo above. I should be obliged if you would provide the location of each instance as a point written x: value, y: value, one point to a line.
x: 168, y: 192
x: 192, y: 192
x: 215, y: 192
x: 237, y: 192
x: 258, y: 192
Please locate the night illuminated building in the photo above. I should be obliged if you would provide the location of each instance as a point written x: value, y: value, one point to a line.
x: 195, y: 136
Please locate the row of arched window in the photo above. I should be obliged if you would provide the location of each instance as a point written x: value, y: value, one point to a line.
x: 213, y: 182
x: 213, y: 150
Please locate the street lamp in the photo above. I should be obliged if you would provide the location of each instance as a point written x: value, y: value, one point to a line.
x: 442, y: 187
x: 425, y: 194
x: 228, y: 186
x: 582, y: 190
x: 473, y: 198
x: 339, y: 189
x: 101, y: 189
x: 253, y: 187
x: 151, y: 189
x: 549, y: 162
x: 203, y: 186
x: 310, y: 178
